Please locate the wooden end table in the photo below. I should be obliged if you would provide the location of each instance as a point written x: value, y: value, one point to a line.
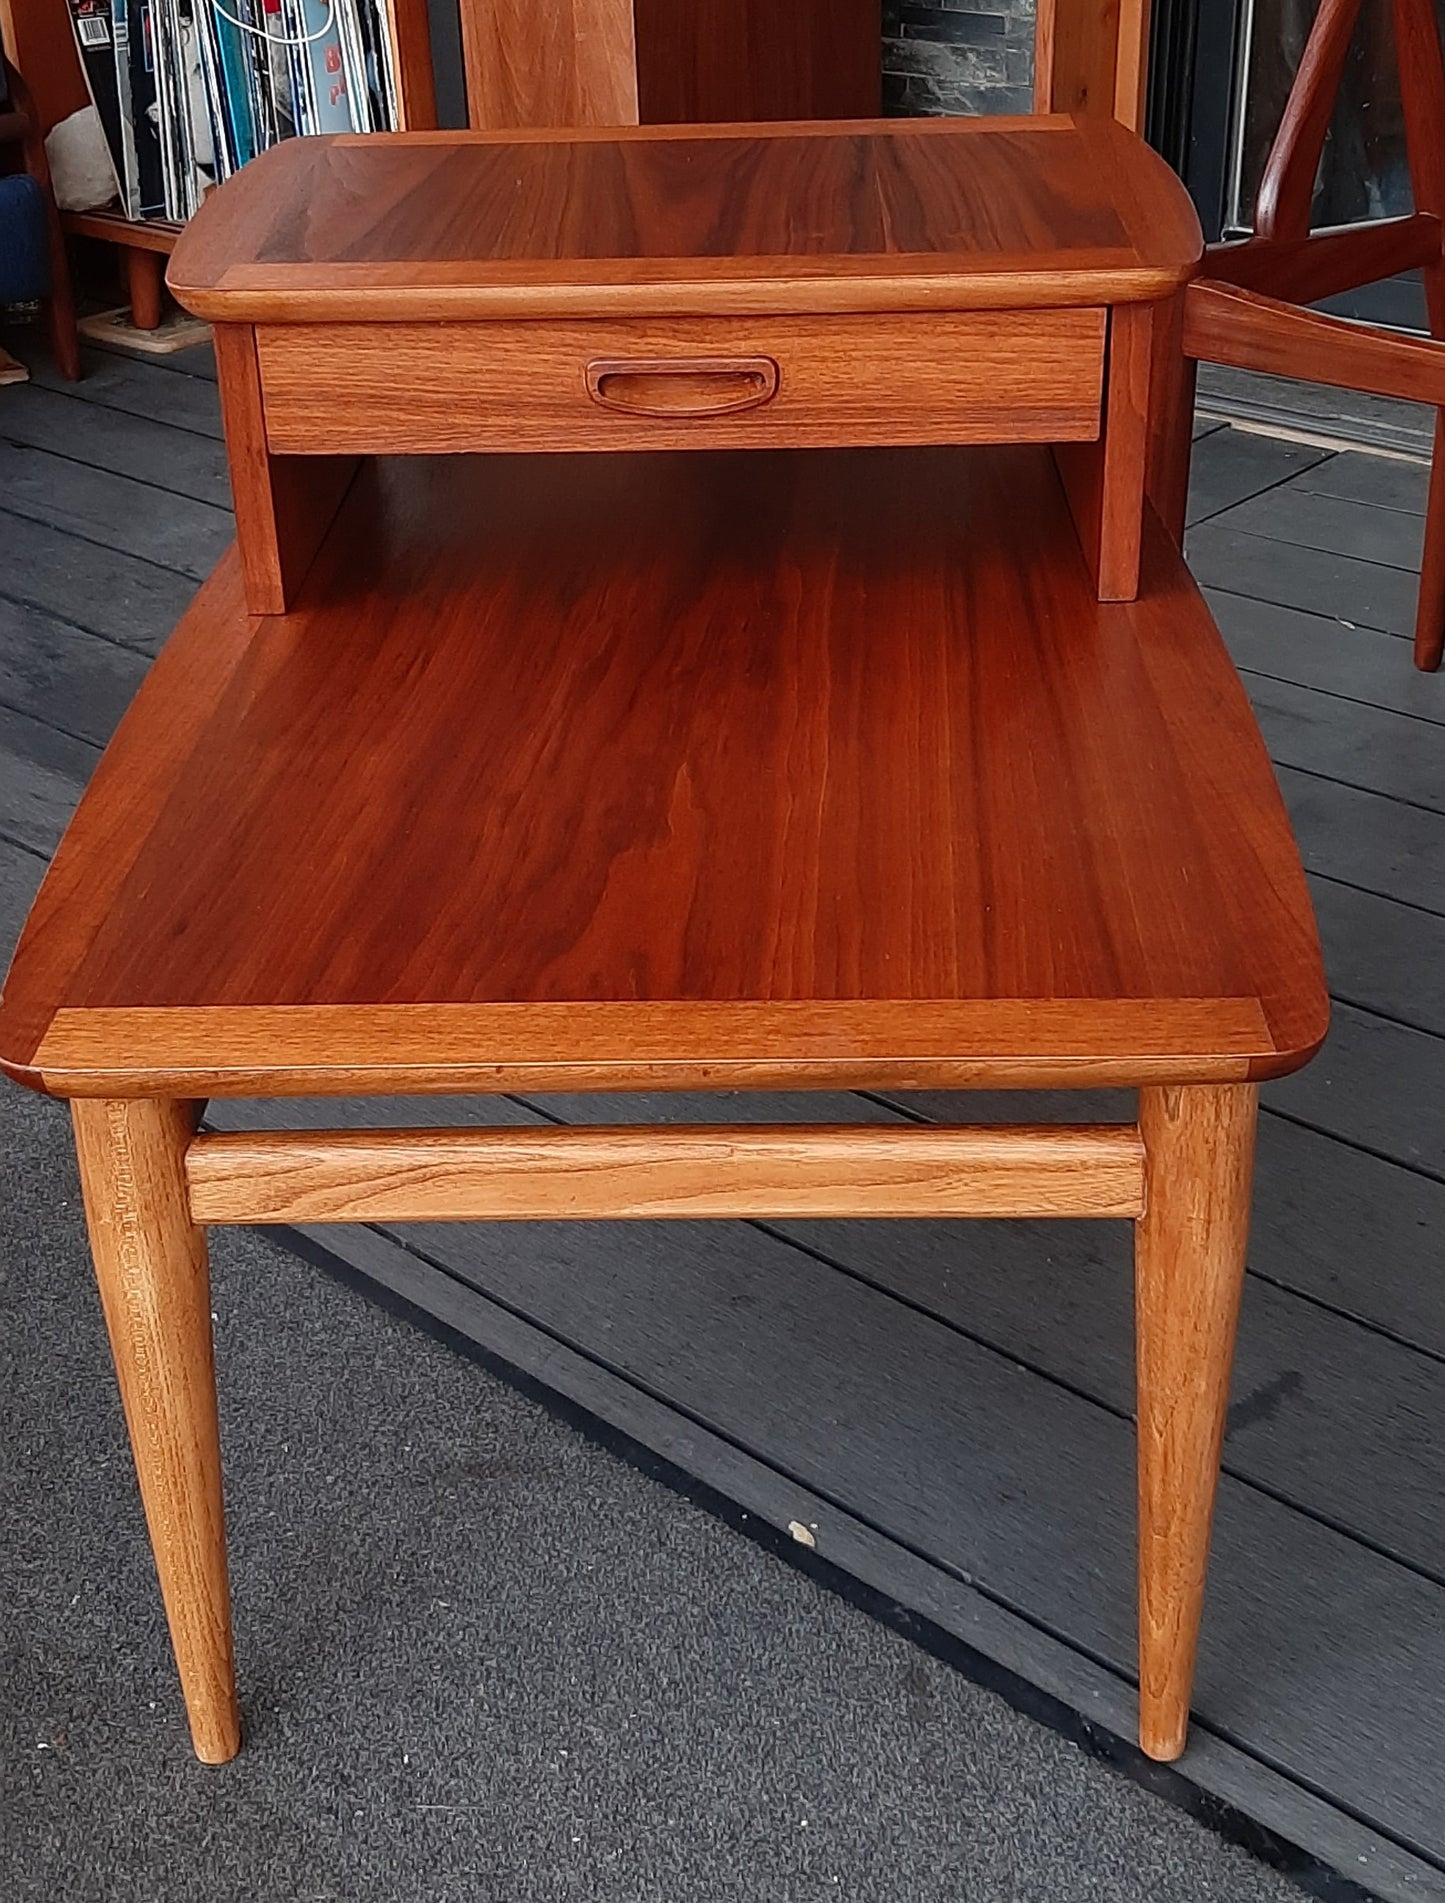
x: 672, y: 767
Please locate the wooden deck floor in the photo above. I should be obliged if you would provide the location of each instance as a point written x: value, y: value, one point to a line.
x: 946, y: 1407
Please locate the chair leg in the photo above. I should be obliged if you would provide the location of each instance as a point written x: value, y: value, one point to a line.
x: 1189, y: 1256
x: 60, y: 305
x: 1430, y: 614
x: 1171, y: 441
x: 150, y: 1262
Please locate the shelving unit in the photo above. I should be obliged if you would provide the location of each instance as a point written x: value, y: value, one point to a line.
x: 39, y: 38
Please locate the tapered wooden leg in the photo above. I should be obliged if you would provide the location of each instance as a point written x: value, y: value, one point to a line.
x: 150, y: 1261
x: 1430, y: 614
x: 1189, y: 1271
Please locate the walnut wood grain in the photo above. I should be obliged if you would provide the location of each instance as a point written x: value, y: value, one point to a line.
x: 283, y: 506
x: 1126, y: 450
x: 350, y: 1050
x: 972, y: 376
x: 1189, y: 1273
x: 679, y: 1172
x: 410, y: 27
x: 675, y: 749
x: 677, y: 221
x: 1092, y: 56
x: 549, y: 63
x: 758, y: 59
x: 150, y: 1262
x: 1105, y: 484
x: 1325, y: 263
x: 1224, y: 324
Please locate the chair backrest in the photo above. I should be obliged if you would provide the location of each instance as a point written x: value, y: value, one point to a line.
x: 611, y: 62
x: 1282, y: 208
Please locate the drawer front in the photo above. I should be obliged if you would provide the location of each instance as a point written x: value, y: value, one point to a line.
x: 679, y: 383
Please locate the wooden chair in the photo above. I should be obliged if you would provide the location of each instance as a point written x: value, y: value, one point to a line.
x: 20, y: 131
x: 1248, y: 309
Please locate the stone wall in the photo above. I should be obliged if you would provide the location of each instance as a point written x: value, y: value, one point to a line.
x: 958, y: 56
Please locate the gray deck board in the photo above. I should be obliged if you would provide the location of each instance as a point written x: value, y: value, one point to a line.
x: 20, y: 875
x: 1375, y: 1083
x: 1331, y: 525
x: 1229, y: 466
x: 1311, y: 650
x: 182, y: 460
x: 1387, y: 957
x: 131, y: 601
x: 1056, y: 1298
x: 1215, y: 1765
x: 867, y: 1401
x: 1363, y: 594
x: 1398, y: 755
x: 122, y: 383
x: 947, y: 1404
x: 1366, y: 839
x: 60, y: 674
x: 98, y: 506
x: 42, y: 772
x: 1383, y: 482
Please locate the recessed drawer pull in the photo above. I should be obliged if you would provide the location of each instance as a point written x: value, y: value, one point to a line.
x: 681, y: 386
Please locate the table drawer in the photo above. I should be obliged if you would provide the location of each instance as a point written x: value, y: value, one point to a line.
x: 677, y: 383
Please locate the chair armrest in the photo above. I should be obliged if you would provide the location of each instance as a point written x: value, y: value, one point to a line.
x: 1227, y: 325
x: 1303, y: 270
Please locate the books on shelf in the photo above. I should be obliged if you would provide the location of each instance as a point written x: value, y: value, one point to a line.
x: 189, y: 90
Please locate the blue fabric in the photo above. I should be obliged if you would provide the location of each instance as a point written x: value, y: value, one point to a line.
x: 24, y: 241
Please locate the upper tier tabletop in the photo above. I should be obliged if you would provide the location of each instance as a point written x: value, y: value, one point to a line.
x: 778, y: 768
x: 857, y: 215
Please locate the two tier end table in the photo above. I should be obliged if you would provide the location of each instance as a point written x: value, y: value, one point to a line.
x: 696, y: 622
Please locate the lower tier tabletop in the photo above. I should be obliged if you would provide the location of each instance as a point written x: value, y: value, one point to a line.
x: 769, y: 768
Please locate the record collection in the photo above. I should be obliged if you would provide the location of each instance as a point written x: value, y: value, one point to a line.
x: 189, y: 90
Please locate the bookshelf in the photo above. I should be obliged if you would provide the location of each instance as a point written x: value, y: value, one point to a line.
x: 40, y: 40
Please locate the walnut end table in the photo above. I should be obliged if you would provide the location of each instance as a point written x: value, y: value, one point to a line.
x: 505, y: 764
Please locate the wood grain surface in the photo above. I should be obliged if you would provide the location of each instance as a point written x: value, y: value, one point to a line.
x: 757, y: 59
x: 887, y: 214
x: 1326, y: 262
x: 471, y: 1175
x: 549, y: 63
x: 283, y: 507
x: 1189, y: 1254
x: 1224, y: 324
x: 150, y: 1262
x: 333, y: 1050
x: 822, y: 732
x: 935, y: 377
